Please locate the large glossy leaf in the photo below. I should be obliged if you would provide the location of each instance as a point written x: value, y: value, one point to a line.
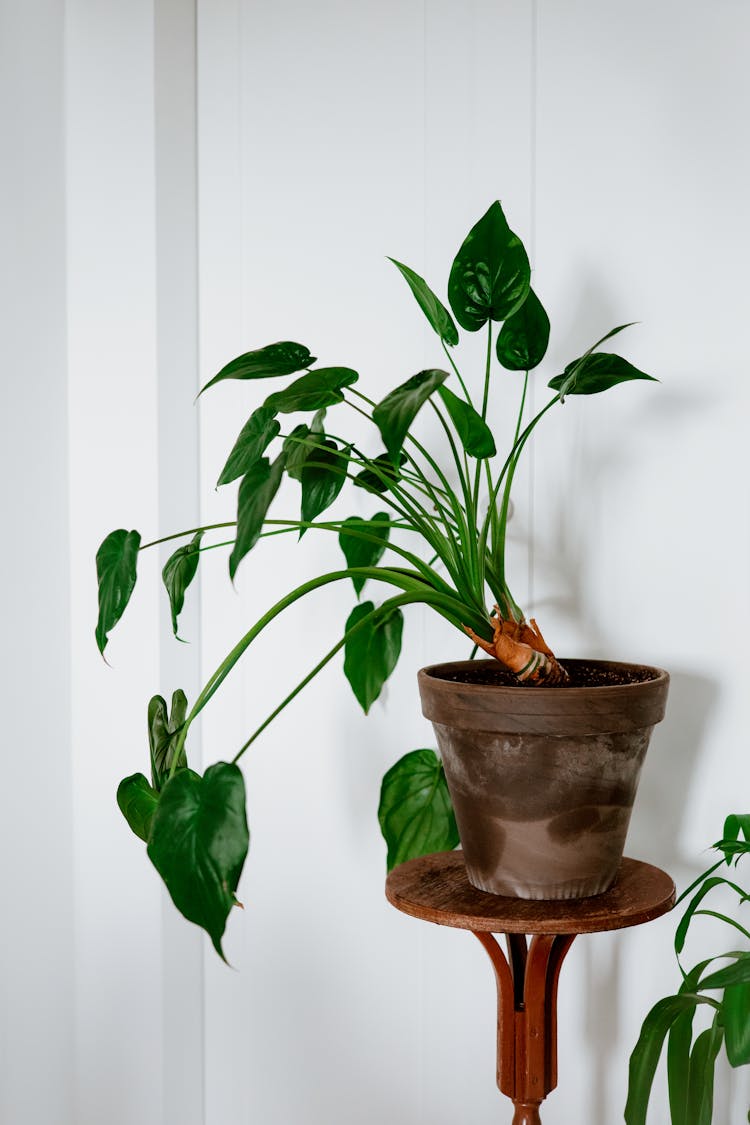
x: 255, y: 437
x: 199, y: 840
x: 645, y: 1056
x: 736, y: 1005
x: 179, y: 571
x: 137, y: 802
x: 595, y: 373
x: 395, y: 413
x: 476, y: 436
x: 432, y: 307
x: 523, y: 339
x: 380, y: 474
x: 283, y: 358
x: 323, y: 476
x: 257, y: 490
x: 116, y: 562
x: 489, y: 278
x: 700, y: 1097
x: 372, y: 653
x: 163, y: 730
x: 416, y: 815
x: 314, y: 391
x: 364, y: 552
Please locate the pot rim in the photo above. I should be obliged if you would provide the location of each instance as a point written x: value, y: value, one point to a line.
x: 440, y: 683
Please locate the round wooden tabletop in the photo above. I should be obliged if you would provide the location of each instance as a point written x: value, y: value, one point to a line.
x: 435, y: 888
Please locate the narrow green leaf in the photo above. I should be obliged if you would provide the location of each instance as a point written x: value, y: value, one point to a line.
x: 179, y: 571
x: 706, y: 887
x: 415, y: 813
x: 645, y: 1056
x: 395, y: 413
x: 736, y: 1006
x: 257, y: 490
x: 199, y: 840
x: 380, y: 474
x: 323, y: 476
x: 362, y: 552
x: 371, y: 655
x: 476, y: 436
x: 736, y: 973
x: 523, y: 339
x: 116, y: 562
x: 735, y: 825
x: 255, y: 436
x: 700, y: 1098
x: 137, y: 801
x: 433, y: 308
x: 490, y: 275
x: 162, y: 735
x: 315, y: 391
x: 595, y: 373
x: 283, y: 358
x: 678, y: 1051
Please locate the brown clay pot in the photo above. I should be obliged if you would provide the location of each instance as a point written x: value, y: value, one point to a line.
x: 542, y: 779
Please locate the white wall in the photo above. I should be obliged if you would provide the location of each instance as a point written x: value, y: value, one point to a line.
x: 236, y: 175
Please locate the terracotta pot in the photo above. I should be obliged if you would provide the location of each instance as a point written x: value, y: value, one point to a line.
x: 542, y: 779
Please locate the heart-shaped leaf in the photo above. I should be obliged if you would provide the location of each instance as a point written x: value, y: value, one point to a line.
x: 372, y: 653
x: 490, y: 275
x: 364, y: 552
x: 595, y: 373
x: 255, y: 437
x: 162, y: 735
x: 283, y: 358
x: 416, y: 815
x: 523, y: 339
x: 314, y: 391
x: 300, y: 443
x: 116, y: 562
x: 432, y: 307
x: 323, y: 475
x: 476, y: 436
x: 199, y: 840
x: 257, y: 490
x: 137, y: 801
x: 179, y: 571
x: 395, y: 413
x: 380, y: 475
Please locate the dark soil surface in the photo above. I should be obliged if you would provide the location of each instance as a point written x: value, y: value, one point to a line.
x: 583, y: 673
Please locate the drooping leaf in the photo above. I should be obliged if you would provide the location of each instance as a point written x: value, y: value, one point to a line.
x: 433, y: 308
x: 163, y: 730
x: 595, y: 373
x: 255, y: 437
x: 736, y: 973
x: 257, y: 490
x: 736, y: 1005
x: 364, y: 552
x: 179, y: 571
x: 395, y: 413
x: 116, y: 562
x: 523, y: 339
x: 316, y: 390
x: 372, y: 653
x: 700, y: 1099
x: 380, y: 474
x: 416, y: 815
x: 199, y: 840
x: 678, y: 1051
x: 301, y: 443
x: 137, y: 802
x: 490, y: 275
x: 645, y: 1056
x: 323, y: 476
x: 283, y: 358
x: 684, y: 923
x: 476, y: 436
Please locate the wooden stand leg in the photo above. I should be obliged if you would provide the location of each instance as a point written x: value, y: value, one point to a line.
x: 527, y: 1017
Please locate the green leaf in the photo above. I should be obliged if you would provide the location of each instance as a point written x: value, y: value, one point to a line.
x: 416, y: 815
x: 490, y: 276
x: 684, y: 925
x: 323, y: 475
x: 380, y: 474
x: 199, y: 840
x: 678, y: 1051
x: 137, y: 801
x: 700, y: 1098
x: 255, y: 436
x: 372, y: 653
x: 116, y: 562
x: 301, y: 442
x: 162, y: 735
x: 476, y: 436
x: 432, y: 307
x: 523, y: 339
x: 283, y: 358
x: 736, y: 973
x: 595, y: 373
x: 362, y: 552
x: 257, y: 490
x: 179, y: 571
x: 736, y: 1005
x: 735, y: 825
x: 395, y: 413
x: 314, y: 391
x: 645, y: 1056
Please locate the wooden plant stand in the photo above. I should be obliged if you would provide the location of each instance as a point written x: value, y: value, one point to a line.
x: 538, y: 935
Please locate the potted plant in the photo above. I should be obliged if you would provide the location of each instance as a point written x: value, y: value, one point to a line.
x: 542, y: 755
x: 721, y: 993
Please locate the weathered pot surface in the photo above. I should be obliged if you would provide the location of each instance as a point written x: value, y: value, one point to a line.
x: 542, y: 779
